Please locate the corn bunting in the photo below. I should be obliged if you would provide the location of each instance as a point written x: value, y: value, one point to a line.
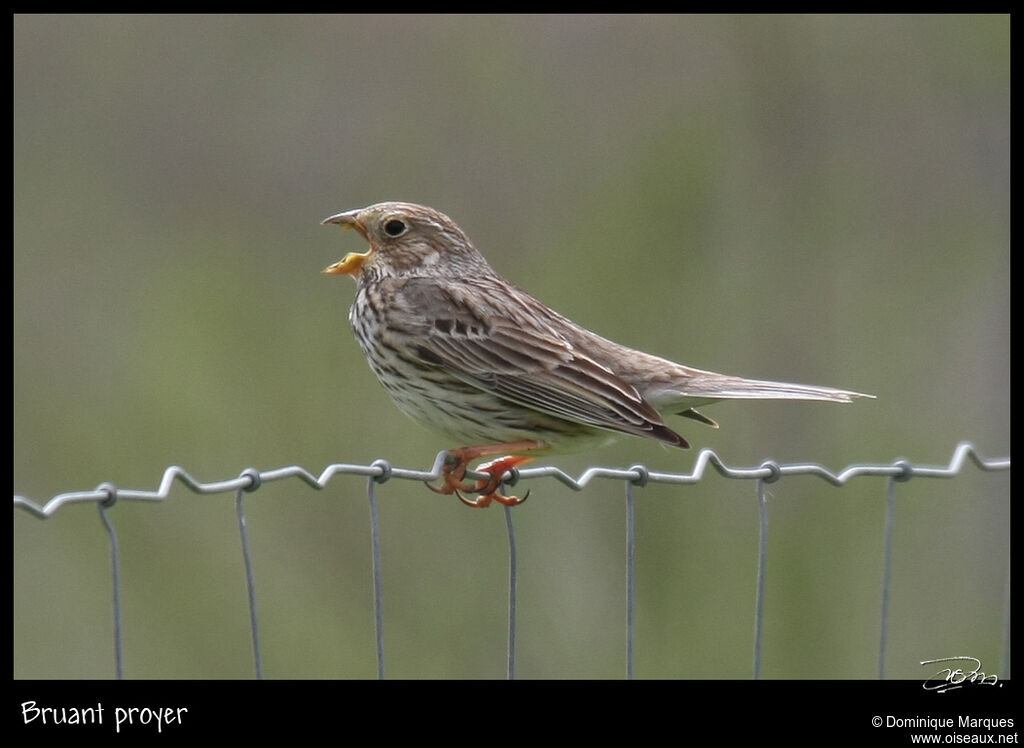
x: 465, y: 352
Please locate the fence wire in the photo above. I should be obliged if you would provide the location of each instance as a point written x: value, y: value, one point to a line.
x: 381, y: 471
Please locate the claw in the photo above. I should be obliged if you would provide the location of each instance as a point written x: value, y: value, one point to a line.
x: 480, y: 502
x: 510, y: 500
x: 451, y: 486
x: 484, y: 500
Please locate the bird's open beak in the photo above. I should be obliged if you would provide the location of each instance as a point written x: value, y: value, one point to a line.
x: 351, y: 263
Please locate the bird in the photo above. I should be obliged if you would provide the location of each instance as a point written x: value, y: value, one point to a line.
x: 467, y: 353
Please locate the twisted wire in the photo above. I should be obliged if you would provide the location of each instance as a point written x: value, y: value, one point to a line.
x: 382, y: 471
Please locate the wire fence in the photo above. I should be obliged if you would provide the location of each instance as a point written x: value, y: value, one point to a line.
x: 637, y: 476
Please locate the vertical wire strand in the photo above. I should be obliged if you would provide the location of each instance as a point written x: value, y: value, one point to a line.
x: 761, y: 558
x: 890, y: 501
x: 630, y: 577
x: 1004, y: 671
x: 115, y: 574
x: 378, y: 615
x: 513, y: 585
x: 250, y: 585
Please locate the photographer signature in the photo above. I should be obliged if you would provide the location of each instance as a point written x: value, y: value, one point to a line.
x: 950, y: 678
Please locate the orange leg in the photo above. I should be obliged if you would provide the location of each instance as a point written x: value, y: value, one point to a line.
x: 452, y: 474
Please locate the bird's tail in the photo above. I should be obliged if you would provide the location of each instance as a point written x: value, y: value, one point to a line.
x: 721, y: 387
x: 694, y: 388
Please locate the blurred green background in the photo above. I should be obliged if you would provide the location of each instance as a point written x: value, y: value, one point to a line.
x: 814, y: 198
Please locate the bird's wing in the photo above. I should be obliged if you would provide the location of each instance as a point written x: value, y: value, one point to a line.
x: 501, y: 342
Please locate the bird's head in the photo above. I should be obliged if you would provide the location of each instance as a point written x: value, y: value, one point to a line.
x: 405, y: 240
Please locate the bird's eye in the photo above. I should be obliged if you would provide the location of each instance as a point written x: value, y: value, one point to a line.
x: 394, y: 227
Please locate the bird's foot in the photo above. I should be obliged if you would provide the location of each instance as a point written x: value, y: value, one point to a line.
x: 454, y: 471
x: 487, y: 490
